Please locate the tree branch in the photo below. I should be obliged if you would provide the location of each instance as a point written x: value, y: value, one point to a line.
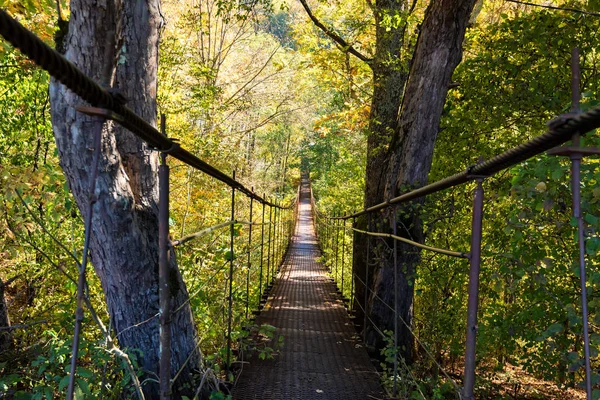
x: 9, y: 281
x: 21, y: 326
x: 334, y: 36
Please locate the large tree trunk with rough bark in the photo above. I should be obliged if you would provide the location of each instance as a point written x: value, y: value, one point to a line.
x: 389, y: 79
x: 116, y: 43
x: 406, y: 164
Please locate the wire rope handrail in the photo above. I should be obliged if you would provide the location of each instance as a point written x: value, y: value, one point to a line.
x: 561, y: 130
x: 458, y: 254
x: 213, y: 228
x: 109, y: 107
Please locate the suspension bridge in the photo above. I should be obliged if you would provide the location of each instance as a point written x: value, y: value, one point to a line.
x: 322, y: 357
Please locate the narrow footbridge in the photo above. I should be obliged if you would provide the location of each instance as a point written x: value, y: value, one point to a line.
x: 321, y: 357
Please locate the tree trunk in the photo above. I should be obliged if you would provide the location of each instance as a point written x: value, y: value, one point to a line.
x: 406, y: 164
x: 389, y: 79
x: 116, y: 43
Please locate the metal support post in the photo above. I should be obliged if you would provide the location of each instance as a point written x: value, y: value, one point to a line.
x: 343, y: 223
x: 262, y: 252
x: 163, y: 274
x: 249, y: 257
x: 576, y: 188
x: 365, y: 305
x: 230, y: 298
x: 81, y: 283
x: 396, y: 303
x: 275, y: 242
x: 353, y: 272
x: 473, y: 302
x: 268, y: 283
x: 277, y: 238
x: 337, y: 242
x: 325, y: 241
x: 576, y: 153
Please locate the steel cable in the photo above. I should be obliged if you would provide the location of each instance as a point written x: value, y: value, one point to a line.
x: 73, y: 78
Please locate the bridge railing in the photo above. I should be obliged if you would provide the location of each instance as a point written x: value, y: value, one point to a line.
x: 336, y: 233
x: 255, y: 244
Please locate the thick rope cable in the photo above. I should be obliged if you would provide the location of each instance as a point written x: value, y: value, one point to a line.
x: 73, y: 78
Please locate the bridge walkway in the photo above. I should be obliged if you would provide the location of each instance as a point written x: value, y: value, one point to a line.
x: 322, y: 357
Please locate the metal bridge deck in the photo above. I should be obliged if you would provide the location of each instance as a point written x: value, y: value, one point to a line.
x: 321, y: 357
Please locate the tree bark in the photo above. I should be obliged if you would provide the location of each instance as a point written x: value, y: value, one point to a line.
x: 405, y: 164
x: 389, y: 79
x: 116, y: 43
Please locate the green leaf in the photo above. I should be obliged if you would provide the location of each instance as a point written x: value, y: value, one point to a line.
x: 591, y: 219
x: 64, y: 382
x: 554, y: 329
x: 557, y: 174
x: 79, y: 395
x: 84, y: 372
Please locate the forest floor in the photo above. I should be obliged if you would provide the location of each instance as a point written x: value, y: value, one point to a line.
x: 514, y: 383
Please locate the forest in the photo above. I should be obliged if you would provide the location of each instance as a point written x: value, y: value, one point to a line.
x: 370, y: 99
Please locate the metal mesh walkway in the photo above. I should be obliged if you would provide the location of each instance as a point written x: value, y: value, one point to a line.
x: 321, y: 357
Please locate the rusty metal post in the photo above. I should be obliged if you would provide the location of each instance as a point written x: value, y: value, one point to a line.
x: 268, y: 283
x: 337, y: 246
x: 576, y: 153
x: 331, y: 221
x: 262, y: 252
x: 81, y: 283
x: 281, y: 233
x: 230, y: 298
x: 249, y: 257
x: 290, y: 226
x: 325, y: 242
x: 576, y: 189
x: 285, y: 228
x: 329, y: 243
x: 366, y: 284
x: 352, y: 296
x: 343, y: 223
x: 275, y: 241
x: 396, y: 303
x: 473, y: 303
x: 163, y: 274
x: 277, y: 238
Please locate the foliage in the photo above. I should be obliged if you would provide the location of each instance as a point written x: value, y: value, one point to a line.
x: 514, y: 79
